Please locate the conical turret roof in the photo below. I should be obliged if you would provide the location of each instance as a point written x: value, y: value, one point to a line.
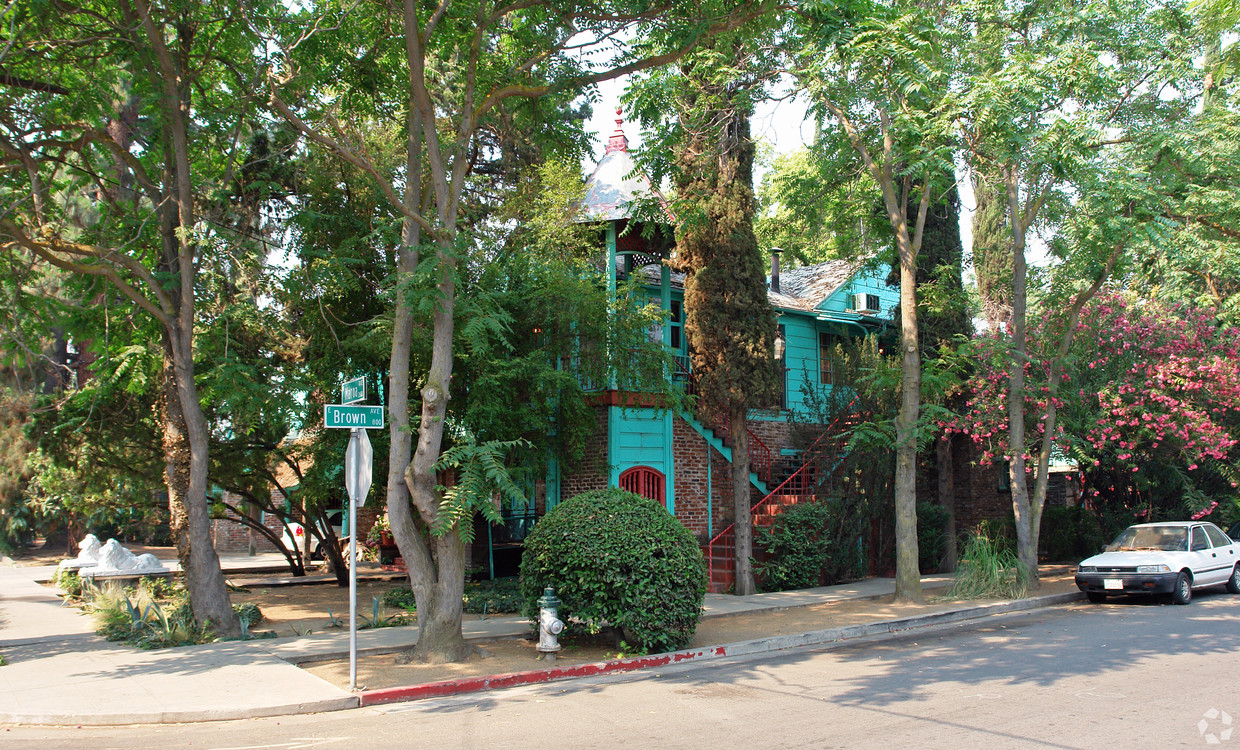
x: 616, y: 182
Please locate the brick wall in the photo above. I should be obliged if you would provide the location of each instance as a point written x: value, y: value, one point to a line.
x: 775, y: 435
x: 690, y: 456
x: 592, y: 473
x: 692, y: 506
x: 978, y: 497
x: 234, y: 536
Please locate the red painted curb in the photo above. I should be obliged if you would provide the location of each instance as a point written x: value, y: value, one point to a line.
x: 532, y: 677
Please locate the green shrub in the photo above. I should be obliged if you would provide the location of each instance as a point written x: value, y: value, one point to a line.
x: 489, y: 597
x: 377, y: 618
x: 617, y: 559
x: 989, y: 567
x: 249, y: 612
x: 1070, y: 534
x: 809, y: 544
x: 401, y: 597
x: 137, y: 617
x: 161, y: 587
x: 69, y: 582
x: 796, y: 546
x: 931, y: 536
x: 140, y: 621
x: 481, y: 597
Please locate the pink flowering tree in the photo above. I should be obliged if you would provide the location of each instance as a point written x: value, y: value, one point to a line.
x: 1147, y: 401
x: 1155, y: 407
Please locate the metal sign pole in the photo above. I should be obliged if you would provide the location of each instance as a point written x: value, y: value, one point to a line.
x: 352, y: 562
x: 358, y: 467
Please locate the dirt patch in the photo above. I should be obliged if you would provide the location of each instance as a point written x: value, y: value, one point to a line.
x: 519, y: 655
x: 302, y: 609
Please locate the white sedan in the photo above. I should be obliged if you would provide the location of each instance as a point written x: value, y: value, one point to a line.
x: 1174, y: 558
x: 297, y: 539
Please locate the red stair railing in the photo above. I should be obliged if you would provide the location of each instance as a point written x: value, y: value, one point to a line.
x: 821, y: 458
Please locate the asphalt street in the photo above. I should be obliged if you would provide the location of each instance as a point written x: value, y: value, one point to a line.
x: 1128, y: 674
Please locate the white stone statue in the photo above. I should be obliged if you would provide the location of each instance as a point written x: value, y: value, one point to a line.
x: 88, y: 554
x: 116, y: 560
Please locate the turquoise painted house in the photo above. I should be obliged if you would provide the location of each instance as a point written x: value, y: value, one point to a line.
x: 682, y: 459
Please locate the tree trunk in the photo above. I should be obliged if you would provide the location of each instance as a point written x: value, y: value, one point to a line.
x: 439, y: 583
x: 741, y: 505
x: 186, y: 452
x: 436, y: 565
x: 400, y: 513
x: 1026, y: 530
x: 336, y: 558
x: 945, y: 461
x: 908, y: 573
x: 440, y: 605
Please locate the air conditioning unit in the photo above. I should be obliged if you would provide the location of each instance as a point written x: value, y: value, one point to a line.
x: 866, y: 303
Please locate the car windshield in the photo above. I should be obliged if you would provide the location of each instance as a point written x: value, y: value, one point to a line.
x: 1163, y: 538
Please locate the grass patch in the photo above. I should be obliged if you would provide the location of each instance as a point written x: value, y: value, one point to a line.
x: 989, y: 568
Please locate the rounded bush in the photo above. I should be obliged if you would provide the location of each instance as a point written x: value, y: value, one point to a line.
x: 618, y: 559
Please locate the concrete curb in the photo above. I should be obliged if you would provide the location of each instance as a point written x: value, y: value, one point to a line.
x: 838, y: 635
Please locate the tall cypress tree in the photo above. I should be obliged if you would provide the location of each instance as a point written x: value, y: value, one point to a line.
x: 992, y: 254
x: 943, y: 309
x: 728, y: 319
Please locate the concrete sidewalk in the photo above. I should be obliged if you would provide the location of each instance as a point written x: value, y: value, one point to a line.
x: 59, y: 672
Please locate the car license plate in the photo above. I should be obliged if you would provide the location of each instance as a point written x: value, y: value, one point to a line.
x: 1113, y: 583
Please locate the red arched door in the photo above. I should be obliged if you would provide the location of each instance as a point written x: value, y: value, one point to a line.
x: 644, y: 481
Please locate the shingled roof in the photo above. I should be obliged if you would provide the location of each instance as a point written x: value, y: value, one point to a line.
x: 811, y: 285
x: 803, y: 288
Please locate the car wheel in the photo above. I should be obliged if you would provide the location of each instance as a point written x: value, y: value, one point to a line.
x: 318, y: 552
x: 1233, y: 583
x: 1097, y: 597
x: 1183, y: 592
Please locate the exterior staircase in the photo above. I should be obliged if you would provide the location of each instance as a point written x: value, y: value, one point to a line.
x: 823, y: 458
x: 712, y: 423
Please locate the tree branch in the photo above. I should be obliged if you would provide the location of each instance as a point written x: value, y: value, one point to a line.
x: 29, y: 84
x: 48, y: 249
x: 348, y: 155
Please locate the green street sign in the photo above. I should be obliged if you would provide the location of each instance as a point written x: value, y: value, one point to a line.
x: 349, y: 417
x: 353, y: 390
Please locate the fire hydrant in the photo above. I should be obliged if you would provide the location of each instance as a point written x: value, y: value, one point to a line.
x: 549, y: 625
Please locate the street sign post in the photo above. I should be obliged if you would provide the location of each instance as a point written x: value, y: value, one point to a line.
x: 358, y: 466
x: 353, y: 390
x: 338, y: 416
